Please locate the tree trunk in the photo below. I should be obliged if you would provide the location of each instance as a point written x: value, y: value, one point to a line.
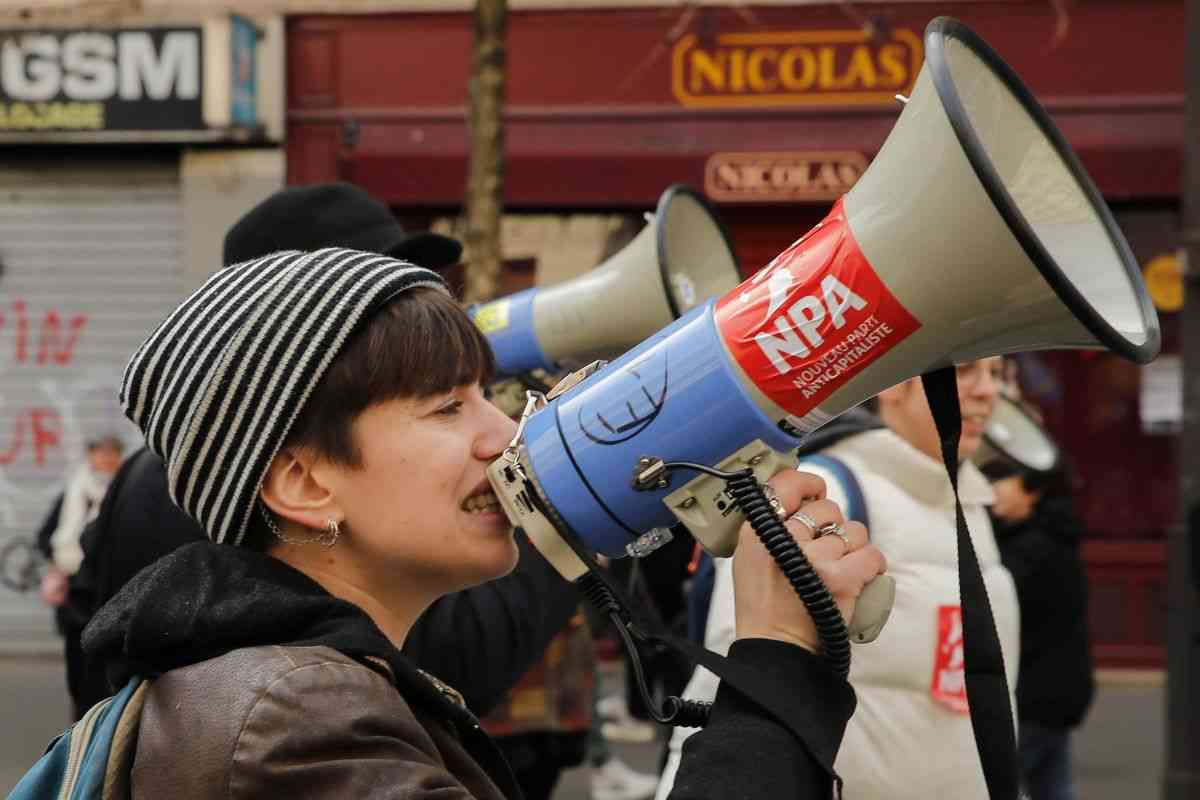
x: 485, y: 174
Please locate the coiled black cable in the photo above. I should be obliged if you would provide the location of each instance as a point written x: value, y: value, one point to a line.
x: 748, y: 495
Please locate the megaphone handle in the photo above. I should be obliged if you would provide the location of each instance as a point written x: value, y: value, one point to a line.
x: 872, y: 609
x: 749, y: 497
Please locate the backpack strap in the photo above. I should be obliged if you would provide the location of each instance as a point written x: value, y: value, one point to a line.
x: 856, y: 505
x: 118, y: 770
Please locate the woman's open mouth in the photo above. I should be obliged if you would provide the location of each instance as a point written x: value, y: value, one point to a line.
x: 484, y: 502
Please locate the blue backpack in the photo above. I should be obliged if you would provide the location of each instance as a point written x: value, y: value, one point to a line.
x: 93, y: 758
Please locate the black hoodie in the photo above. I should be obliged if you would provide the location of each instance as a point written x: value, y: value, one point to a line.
x: 1054, y: 683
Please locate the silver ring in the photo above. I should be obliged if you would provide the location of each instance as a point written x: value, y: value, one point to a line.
x: 773, y: 499
x: 812, y: 524
x: 833, y: 529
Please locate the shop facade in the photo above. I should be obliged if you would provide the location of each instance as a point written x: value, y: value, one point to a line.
x: 109, y: 138
x: 773, y: 112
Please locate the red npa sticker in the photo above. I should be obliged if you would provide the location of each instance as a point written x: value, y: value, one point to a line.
x: 812, y: 318
x: 948, y: 685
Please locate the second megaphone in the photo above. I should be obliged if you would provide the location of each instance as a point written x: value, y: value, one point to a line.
x: 679, y: 260
x: 974, y: 233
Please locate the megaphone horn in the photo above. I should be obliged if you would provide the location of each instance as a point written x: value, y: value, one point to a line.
x: 975, y: 232
x: 1014, y: 439
x: 681, y: 258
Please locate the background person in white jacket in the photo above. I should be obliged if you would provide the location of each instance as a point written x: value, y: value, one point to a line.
x: 910, y: 736
x: 59, y: 541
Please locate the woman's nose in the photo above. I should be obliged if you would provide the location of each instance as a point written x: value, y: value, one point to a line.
x: 498, y: 431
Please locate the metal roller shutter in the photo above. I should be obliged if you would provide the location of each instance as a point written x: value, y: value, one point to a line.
x: 90, y: 257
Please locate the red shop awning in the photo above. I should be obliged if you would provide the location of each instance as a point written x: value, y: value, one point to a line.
x: 612, y: 157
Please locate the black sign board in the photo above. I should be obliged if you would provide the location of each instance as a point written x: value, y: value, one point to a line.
x: 101, y: 80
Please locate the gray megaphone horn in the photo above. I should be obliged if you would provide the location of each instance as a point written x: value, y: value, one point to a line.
x: 975, y: 232
x: 1014, y: 438
x: 680, y: 259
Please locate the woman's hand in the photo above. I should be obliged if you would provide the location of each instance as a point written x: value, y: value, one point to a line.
x: 53, y: 588
x: 766, y: 605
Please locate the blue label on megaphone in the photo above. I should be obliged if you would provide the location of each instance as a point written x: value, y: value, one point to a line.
x: 677, y: 396
x: 508, y: 326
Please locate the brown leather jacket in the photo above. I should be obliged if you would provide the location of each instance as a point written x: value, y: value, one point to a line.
x: 265, y: 686
x: 282, y: 721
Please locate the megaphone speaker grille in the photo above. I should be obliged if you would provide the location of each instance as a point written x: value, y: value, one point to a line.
x: 1038, y: 185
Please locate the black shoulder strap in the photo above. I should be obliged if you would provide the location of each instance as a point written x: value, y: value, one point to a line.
x: 987, y: 688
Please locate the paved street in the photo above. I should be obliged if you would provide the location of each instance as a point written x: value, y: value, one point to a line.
x: 1118, y: 753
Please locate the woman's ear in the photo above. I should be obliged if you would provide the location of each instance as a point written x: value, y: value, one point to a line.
x: 294, y: 491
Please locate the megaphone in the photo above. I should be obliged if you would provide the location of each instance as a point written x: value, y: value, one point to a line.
x: 681, y: 258
x: 1015, y: 439
x: 974, y: 233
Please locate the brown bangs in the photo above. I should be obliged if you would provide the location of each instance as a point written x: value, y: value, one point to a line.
x: 419, y: 345
x: 429, y: 346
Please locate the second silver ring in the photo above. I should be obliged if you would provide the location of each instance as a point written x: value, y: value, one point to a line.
x: 812, y: 524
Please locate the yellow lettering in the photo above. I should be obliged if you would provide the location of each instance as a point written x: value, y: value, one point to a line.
x: 737, y: 71
x: 827, y: 177
x: 787, y: 69
x: 728, y: 174
x: 848, y: 174
x: 893, y: 60
x: 827, y: 77
x: 754, y: 70
x: 753, y: 177
x: 52, y: 116
x: 790, y: 176
x: 774, y: 67
x: 707, y: 68
x: 22, y: 115
x: 802, y: 172
x: 862, y: 69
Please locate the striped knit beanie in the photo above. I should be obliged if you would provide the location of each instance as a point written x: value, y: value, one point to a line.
x: 217, y: 386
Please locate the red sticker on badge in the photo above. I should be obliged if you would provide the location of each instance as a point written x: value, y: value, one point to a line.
x: 948, y: 685
x: 812, y: 318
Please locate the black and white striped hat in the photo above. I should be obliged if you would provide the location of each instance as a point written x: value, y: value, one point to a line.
x: 217, y: 386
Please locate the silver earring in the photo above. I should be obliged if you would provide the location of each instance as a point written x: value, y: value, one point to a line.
x: 326, y: 538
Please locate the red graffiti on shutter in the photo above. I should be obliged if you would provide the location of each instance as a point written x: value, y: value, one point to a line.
x: 44, y: 428
x: 51, y: 344
x: 54, y: 345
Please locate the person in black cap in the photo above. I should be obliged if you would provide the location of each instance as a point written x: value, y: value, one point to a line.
x: 333, y: 215
x: 511, y: 621
x: 322, y: 416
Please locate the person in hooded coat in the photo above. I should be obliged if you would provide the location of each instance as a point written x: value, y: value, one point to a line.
x: 511, y: 620
x: 1039, y: 536
x: 322, y: 416
x: 60, y: 540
